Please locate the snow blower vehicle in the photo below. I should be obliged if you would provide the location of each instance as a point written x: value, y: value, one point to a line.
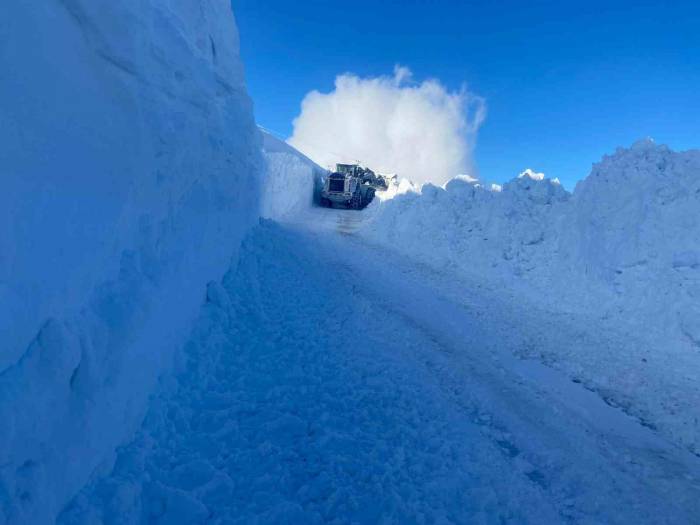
x: 352, y: 186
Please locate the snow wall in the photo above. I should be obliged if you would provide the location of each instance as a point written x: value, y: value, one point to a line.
x: 622, y: 250
x: 292, y: 181
x: 630, y: 230
x: 130, y: 168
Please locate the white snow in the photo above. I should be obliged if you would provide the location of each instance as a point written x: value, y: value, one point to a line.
x: 392, y: 124
x: 324, y: 385
x: 291, y: 179
x: 461, y: 353
x: 130, y: 171
x: 619, y: 255
x: 533, y: 175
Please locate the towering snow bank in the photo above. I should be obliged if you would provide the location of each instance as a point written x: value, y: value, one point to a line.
x: 623, y: 250
x: 487, y: 233
x: 129, y: 166
x: 291, y: 180
x: 635, y: 228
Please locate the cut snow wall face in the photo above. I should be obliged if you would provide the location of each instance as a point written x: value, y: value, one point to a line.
x: 130, y: 171
x: 292, y: 181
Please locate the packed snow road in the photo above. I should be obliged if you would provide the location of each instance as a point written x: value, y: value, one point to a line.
x: 328, y: 381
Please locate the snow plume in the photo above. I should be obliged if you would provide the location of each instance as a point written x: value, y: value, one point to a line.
x: 392, y: 124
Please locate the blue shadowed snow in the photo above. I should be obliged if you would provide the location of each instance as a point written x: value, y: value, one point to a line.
x: 449, y: 355
x: 316, y: 390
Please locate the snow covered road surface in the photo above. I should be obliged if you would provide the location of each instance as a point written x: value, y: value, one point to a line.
x: 328, y: 382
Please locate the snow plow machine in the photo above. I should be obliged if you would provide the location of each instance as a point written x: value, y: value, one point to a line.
x: 351, y: 186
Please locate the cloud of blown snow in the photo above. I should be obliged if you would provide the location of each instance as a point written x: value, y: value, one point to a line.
x: 391, y: 124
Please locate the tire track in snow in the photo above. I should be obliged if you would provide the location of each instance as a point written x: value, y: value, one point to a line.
x: 311, y: 392
x: 275, y: 419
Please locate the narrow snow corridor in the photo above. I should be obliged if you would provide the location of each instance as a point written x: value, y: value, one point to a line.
x: 314, y: 389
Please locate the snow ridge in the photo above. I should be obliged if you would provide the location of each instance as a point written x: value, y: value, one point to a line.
x: 292, y: 181
x: 622, y: 250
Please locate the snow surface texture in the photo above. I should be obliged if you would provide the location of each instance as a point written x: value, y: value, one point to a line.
x: 130, y: 173
x: 292, y: 181
x: 323, y: 385
x: 621, y: 254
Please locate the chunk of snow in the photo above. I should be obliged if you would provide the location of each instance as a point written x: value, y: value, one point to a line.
x: 532, y: 175
x: 467, y: 178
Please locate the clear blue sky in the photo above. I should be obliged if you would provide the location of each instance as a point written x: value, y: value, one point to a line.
x: 564, y: 82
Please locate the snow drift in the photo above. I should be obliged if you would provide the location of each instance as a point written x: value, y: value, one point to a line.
x: 130, y: 172
x: 622, y: 251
